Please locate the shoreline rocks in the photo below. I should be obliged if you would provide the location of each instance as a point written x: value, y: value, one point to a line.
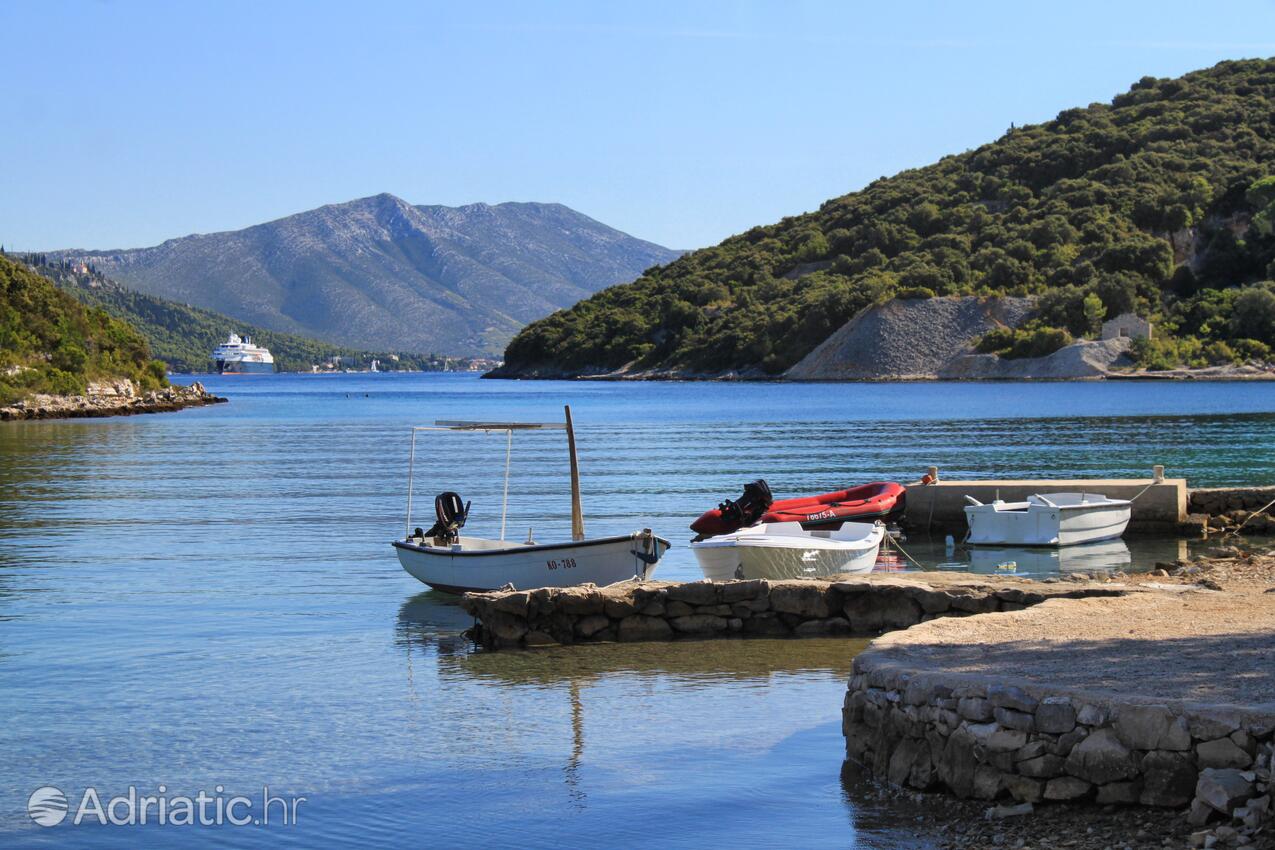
x: 118, y: 398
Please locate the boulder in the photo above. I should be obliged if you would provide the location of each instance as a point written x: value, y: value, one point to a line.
x: 694, y: 593
x: 619, y: 607
x: 1010, y: 696
x: 975, y: 708
x: 591, y: 625
x: 956, y: 767
x: 1221, y: 752
x: 1055, y: 716
x: 1101, y: 758
x: 699, y: 624
x: 639, y: 627
x: 992, y: 738
x: 1222, y: 789
x: 678, y: 608
x: 765, y: 623
x: 580, y: 601
x: 1168, y: 779
x: 1042, y: 767
x: 1024, y: 789
x: 1066, y: 788
x: 1011, y: 719
x: 740, y: 591
x: 1151, y: 727
x: 506, y: 627
x: 538, y: 638
x: 813, y: 628
x: 806, y: 599
x: 512, y: 603
x: 885, y: 608
x: 1119, y: 793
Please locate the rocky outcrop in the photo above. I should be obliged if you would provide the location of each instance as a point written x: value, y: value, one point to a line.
x: 866, y: 605
x: 115, y: 398
x: 913, y: 339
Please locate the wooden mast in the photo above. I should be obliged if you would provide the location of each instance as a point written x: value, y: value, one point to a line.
x: 577, y: 512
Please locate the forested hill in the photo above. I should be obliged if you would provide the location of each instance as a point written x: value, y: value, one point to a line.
x: 184, y: 336
x: 1161, y: 202
x: 51, y: 343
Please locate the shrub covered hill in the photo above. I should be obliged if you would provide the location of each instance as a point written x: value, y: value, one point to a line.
x: 1161, y: 202
x: 184, y: 336
x: 51, y: 343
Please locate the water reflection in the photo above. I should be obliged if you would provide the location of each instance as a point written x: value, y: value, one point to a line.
x: 1107, y: 556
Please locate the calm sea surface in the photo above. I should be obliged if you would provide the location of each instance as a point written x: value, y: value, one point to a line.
x: 209, y: 599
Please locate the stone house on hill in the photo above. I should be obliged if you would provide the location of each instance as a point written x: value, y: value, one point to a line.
x: 1126, y: 325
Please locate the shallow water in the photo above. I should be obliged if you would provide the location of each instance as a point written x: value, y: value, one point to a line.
x: 209, y: 598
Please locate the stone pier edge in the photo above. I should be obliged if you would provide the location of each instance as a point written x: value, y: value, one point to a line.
x: 987, y: 737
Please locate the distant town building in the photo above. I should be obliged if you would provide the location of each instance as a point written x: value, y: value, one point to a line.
x: 1126, y: 325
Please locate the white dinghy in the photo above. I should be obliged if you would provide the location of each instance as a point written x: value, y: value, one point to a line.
x: 446, y: 560
x: 1056, y: 519
x: 779, y: 550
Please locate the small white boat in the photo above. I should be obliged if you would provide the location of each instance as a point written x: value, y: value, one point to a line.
x: 779, y: 550
x: 447, y: 561
x: 1056, y: 519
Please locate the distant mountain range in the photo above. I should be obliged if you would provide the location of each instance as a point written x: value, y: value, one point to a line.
x: 379, y: 273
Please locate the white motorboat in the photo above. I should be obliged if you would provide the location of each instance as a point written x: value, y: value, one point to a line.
x: 1056, y: 519
x: 779, y: 550
x: 445, y: 560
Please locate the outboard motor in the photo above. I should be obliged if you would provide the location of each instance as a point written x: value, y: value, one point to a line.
x: 451, y: 513
x: 749, y: 508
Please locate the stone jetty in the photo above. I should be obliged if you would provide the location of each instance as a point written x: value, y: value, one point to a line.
x: 860, y: 605
x: 1162, y: 698
x: 110, y: 398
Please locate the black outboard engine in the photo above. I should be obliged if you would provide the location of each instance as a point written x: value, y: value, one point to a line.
x: 451, y: 513
x: 749, y: 508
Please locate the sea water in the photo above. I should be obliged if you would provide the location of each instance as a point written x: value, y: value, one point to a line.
x: 208, y: 599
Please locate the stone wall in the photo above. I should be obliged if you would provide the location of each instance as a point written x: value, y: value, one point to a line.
x: 988, y: 740
x: 1226, y: 508
x: 648, y: 611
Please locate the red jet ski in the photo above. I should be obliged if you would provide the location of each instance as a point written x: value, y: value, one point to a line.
x: 865, y: 503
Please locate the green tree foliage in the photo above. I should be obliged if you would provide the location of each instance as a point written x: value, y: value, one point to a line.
x: 1110, y: 200
x: 51, y: 343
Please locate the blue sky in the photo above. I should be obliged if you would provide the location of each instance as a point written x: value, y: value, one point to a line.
x: 127, y: 123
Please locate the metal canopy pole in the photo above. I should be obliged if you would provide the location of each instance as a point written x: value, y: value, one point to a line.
x: 504, y: 503
x: 411, y: 465
x: 577, y: 512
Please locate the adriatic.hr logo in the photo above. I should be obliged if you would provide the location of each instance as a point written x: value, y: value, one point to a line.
x: 49, y: 806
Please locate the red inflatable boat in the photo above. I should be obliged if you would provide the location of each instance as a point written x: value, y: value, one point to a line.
x: 864, y: 503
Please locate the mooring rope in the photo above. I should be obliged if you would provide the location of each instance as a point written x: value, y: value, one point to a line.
x: 895, y: 543
x: 1260, y: 510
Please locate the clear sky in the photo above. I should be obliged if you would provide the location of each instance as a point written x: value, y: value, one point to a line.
x: 127, y: 123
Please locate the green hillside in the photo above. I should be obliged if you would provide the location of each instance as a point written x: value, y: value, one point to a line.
x: 1161, y: 201
x: 51, y: 343
x: 183, y: 336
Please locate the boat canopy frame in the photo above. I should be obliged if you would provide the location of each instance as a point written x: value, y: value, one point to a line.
x: 506, y: 428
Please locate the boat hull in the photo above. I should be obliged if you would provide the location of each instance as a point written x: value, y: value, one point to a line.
x: 243, y: 367
x: 865, y: 503
x: 1045, y: 526
x: 602, y: 561
x: 811, y: 557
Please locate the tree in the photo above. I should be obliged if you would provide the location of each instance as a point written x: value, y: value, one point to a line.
x: 1253, y: 316
x: 1094, y: 312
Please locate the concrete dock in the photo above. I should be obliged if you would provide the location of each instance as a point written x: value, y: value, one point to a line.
x: 1160, y: 504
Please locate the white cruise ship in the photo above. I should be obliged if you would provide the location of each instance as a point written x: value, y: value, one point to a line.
x: 238, y: 356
